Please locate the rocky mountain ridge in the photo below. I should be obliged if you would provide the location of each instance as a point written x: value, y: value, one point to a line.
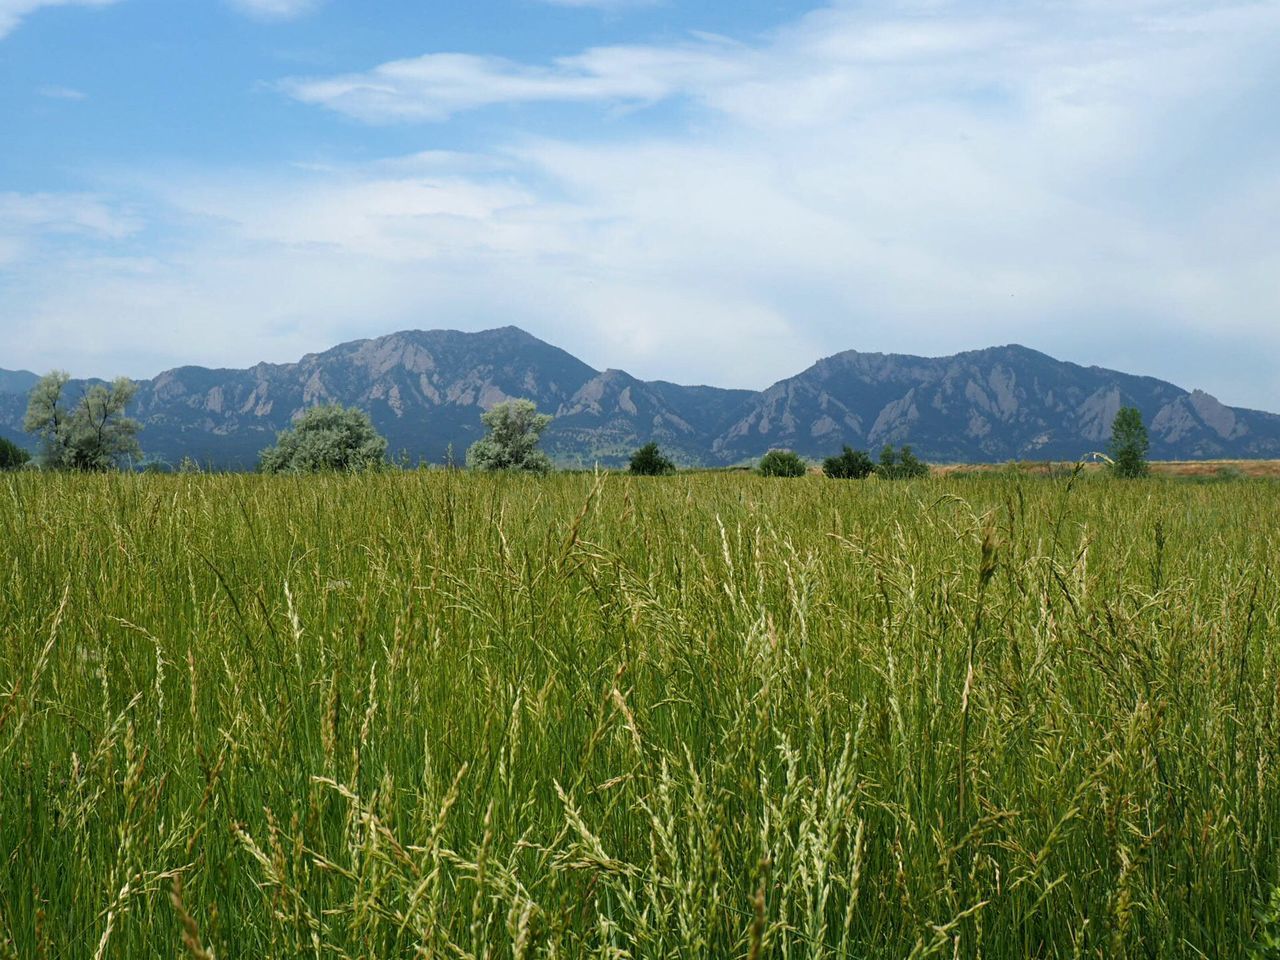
x: 425, y: 391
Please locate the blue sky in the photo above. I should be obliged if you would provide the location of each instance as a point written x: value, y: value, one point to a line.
x: 700, y: 191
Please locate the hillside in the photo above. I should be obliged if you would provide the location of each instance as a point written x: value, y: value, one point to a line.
x: 425, y: 391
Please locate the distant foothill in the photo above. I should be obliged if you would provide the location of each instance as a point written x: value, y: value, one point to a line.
x: 90, y: 433
x: 425, y: 393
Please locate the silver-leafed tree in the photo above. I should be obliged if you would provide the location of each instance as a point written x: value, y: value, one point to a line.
x: 326, y: 439
x: 515, y: 427
x: 89, y: 432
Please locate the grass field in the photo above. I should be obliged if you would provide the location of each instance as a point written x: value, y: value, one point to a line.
x: 443, y: 715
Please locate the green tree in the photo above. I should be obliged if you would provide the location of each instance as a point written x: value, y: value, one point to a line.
x: 648, y: 461
x: 12, y: 456
x: 900, y: 465
x: 782, y: 463
x: 910, y: 465
x: 324, y: 439
x: 888, y: 466
x: 1129, y: 443
x: 850, y: 464
x: 49, y: 417
x: 515, y: 427
x: 90, y: 433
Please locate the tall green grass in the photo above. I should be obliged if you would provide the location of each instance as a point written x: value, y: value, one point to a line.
x: 442, y: 715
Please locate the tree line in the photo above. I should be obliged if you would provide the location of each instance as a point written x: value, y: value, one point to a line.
x: 91, y: 432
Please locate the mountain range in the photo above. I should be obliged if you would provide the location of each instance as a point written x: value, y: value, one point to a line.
x: 425, y: 391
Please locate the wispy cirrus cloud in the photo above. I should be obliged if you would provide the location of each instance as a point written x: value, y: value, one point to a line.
x: 12, y: 12
x: 38, y: 230
x: 436, y: 86
x: 61, y: 93
x: 66, y: 213
x: 844, y: 57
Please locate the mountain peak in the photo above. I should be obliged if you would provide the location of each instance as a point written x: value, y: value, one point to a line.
x: 506, y: 334
x: 426, y: 389
x: 1014, y: 350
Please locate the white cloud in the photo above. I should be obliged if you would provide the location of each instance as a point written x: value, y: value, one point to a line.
x: 275, y: 9
x: 841, y: 60
x: 65, y: 213
x: 37, y: 230
x: 436, y: 86
x: 13, y: 11
x: 61, y: 93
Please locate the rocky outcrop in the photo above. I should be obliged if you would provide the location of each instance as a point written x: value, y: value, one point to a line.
x: 426, y: 389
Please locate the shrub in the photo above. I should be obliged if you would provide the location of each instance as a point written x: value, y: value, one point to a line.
x: 648, y: 461
x: 12, y: 456
x: 326, y: 439
x: 515, y: 427
x: 782, y: 463
x: 900, y: 465
x: 850, y: 464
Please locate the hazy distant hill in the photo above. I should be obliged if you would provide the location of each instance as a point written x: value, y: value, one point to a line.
x: 988, y: 405
x: 17, y: 381
x: 426, y: 389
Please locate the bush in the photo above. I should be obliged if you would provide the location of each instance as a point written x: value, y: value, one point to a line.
x: 515, y: 427
x: 848, y: 465
x: 782, y: 463
x: 900, y: 465
x: 329, y: 438
x: 12, y: 456
x: 648, y: 461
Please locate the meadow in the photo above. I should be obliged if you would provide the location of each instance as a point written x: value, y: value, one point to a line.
x: 432, y: 714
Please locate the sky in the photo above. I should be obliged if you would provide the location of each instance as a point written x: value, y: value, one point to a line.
x: 702, y: 191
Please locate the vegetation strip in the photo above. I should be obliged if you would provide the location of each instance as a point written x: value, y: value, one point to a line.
x: 435, y: 713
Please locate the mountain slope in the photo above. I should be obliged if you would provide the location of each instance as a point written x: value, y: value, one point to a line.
x: 988, y: 405
x: 17, y: 381
x: 425, y: 391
